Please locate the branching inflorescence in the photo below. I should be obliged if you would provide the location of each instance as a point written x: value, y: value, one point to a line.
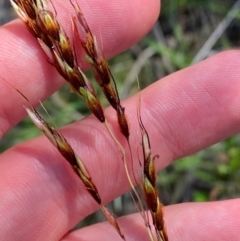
x: 44, y: 25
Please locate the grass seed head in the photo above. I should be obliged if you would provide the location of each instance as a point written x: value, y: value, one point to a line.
x: 58, y: 140
x: 149, y: 184
x: 55, y: 43
x: 100, y: 67
x: 78, y: 166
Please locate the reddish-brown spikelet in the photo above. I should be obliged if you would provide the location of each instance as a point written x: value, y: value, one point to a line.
x: 93, y: 103
x: 48, y: 24
x: 122, y: 121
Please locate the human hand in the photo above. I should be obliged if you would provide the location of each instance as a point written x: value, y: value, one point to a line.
x: 41, y: 197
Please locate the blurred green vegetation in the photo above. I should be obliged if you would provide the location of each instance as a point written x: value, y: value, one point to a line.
x: 177, y: 38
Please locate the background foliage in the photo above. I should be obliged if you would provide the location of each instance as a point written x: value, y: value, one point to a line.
x: 187, y: 32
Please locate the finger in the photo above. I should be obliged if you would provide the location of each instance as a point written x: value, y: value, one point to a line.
x: 25, y: 66
x: 216, y: 221
x: 183, y: 113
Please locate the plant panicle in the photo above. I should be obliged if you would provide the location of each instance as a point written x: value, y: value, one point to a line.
x: 60, y: 52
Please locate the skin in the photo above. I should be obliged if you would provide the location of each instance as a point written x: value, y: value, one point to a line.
x: 42, y: 199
